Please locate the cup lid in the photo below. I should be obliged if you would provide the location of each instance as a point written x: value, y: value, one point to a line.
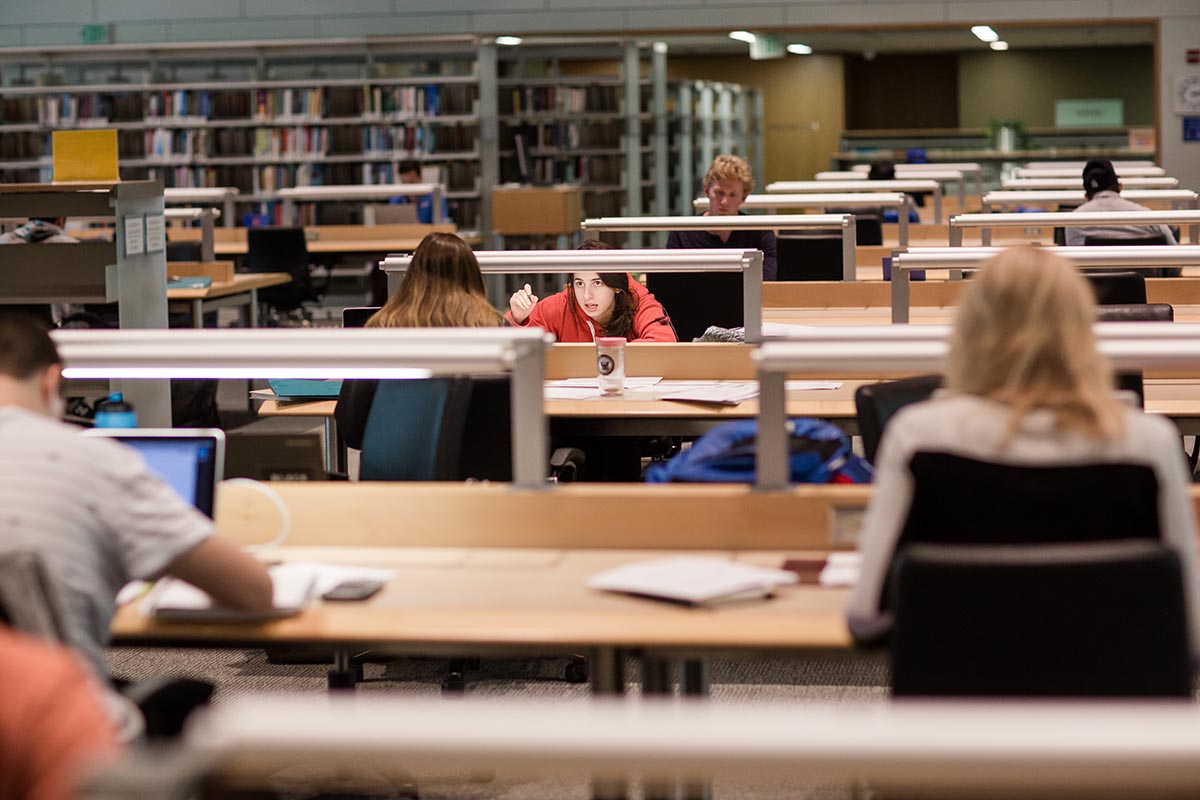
x: 610, y: 341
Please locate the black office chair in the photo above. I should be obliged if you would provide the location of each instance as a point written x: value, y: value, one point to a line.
x: 446, y: 429
x: 1135, y: 312
x: 1080, y: 620
x: 281, y: 250
x: 876, y: 403
x: 809, y: 256
x: 31, y: 601
x: 1117, y: 288
x: 1110, y: 288
x: 1136, y: 241
x: 868, y: 224
x: 696, y: 300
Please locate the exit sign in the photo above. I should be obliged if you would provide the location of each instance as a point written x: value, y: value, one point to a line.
x: 95, y: 34
x: 766, y: 45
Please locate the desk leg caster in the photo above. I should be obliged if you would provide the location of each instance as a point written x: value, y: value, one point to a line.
x: 346, y: 672
x: 577, y: 670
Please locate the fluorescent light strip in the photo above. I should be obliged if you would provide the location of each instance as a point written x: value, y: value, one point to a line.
x: 985, y: 33
x: 743, y: 36
x: 1000, y: 45
x: 509, y: 40
x: 265, y: 373
x: 799, y: 49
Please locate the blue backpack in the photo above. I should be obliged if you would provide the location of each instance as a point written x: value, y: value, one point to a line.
x: 818, y: 452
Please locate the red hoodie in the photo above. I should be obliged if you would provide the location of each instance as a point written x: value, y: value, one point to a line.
x: 561, y: 315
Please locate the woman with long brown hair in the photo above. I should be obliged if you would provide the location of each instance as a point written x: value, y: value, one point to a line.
x: 1027, y: 443
x: 443, y: 288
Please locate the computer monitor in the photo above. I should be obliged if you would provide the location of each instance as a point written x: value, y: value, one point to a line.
x: 190, y: 460
x: 357, y: 316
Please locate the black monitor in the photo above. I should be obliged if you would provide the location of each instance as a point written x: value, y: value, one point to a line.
x: 357, y: 316
x: 190, y: 460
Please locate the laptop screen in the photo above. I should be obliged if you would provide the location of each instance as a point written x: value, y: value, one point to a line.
x: 190, y: 461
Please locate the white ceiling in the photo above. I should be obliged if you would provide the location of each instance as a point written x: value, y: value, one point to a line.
x: 926, y: 40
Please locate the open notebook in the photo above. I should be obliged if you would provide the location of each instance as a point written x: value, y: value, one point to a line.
x: 174, y: 599
x: 692, y: 580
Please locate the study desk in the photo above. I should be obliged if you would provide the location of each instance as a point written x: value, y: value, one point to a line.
x: 487, y: 568
x: 326, y: 239
x: 241, y: 292
x: 639, y: 413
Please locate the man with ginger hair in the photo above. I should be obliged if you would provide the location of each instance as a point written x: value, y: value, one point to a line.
x: 700, y: 299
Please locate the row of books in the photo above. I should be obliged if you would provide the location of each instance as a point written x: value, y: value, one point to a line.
x: 272, y: 104
x: 565, y: 134
x: 418, y: 100
x: 559, y: 99
x: 164, y: 142
x: 578, y: 169
x: 218, y: 105
x: 277, y: 142
x: 382, y: 139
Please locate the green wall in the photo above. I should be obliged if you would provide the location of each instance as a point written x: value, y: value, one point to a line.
x: 1023, y: 84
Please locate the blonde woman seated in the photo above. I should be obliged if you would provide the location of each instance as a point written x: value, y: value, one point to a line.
x: 1027, y: 443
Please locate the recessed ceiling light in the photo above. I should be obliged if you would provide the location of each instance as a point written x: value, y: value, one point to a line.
x: 799, y: 49
x: 985, y: 33
x: 509, y: 40
x: 743, y: 36
x: 1000, y: 45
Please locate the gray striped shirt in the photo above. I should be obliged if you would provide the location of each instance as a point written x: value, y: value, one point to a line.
x: 94, y: 512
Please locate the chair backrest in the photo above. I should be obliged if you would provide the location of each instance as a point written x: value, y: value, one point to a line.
x: 1119, y: 241
x: 876, y: 403
x: 1082, y: 620
x: 1135, y: 312
x: 281, y: 250
x: 30, y: 599
x: 414, y: 430
x: 809, y: 257
x: 696, y: 300
x: 1117, y: 288
x: 963, y: 500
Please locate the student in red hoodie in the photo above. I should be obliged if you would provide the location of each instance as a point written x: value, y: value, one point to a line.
x: 594, y: 304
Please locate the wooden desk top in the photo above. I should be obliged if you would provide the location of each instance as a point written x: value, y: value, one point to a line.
x: 644, y: 404
x: 490, y: 565
x: 243, y: 282
x: 525, y: 600
x: 1176, y: 398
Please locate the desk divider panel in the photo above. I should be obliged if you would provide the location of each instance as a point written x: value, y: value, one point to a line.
x: 440, y: 515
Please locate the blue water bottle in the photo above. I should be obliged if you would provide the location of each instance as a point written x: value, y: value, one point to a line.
x: 114, y: 412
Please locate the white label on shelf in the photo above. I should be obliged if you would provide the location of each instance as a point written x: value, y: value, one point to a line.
x: 156, y: 233
x: 135, y: 235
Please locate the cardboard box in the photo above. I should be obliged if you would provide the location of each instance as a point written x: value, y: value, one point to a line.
x: 219, y: 271
x: 537, y: 210
x: 84, y: 155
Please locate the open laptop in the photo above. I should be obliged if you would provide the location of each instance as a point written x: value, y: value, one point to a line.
x: 190, y: 460
x: 274, y: 456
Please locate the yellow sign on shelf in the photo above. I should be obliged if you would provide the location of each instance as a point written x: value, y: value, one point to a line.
x: 85, y: 155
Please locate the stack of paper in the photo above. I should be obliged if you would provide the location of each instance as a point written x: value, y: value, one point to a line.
x: 841, y: 569
x: 693, y: 580
x: 724, y: 393
x: 172, y: 598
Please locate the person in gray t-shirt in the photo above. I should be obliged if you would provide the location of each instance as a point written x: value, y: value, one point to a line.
x: 91, y: 507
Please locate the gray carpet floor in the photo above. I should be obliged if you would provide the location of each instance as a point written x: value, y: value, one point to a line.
x: 851, y: 677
